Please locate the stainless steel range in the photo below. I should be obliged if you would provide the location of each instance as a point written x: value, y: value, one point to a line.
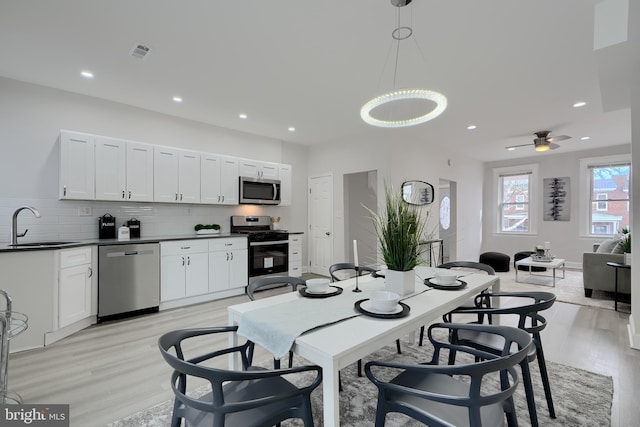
x: 268, y: 249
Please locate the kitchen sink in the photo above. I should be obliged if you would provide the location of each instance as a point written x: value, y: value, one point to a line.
x: 41, y: 244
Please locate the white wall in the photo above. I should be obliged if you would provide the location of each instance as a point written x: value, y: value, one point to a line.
x: 564, y: 236
x: 31, y: 117
x: 398, y: 162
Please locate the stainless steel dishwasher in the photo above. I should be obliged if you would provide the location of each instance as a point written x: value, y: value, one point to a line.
x: 128, y: 280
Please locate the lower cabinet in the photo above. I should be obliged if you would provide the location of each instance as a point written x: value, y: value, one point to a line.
x: 228, y: 264
x: 74, y: 285
x: 295, y: 255
x: 195, y: 270
x: 184, y: 269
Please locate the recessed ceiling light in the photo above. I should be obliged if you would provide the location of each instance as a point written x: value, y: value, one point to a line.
x: 86, y: 74
x: 579, y: 104
x: 242, y: 116
x: 511, y: 148
x: 177, y: 99
x: 584, y: 138
x: 472, y: 127
x: 292, y: 129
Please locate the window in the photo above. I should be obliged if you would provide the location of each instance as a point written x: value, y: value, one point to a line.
x: 605, y: 189
x: 516, y: 194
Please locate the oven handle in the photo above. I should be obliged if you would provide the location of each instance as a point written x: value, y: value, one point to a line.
x: 279, y: 242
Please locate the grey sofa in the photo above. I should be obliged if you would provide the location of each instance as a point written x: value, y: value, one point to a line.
x: 596, y: 274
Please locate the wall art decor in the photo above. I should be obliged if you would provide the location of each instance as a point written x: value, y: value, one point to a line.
x: 557, y: 206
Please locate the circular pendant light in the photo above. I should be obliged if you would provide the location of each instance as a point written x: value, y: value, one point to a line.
x: 403, y: 94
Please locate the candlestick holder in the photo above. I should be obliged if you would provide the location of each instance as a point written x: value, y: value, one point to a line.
x: 357, y: 268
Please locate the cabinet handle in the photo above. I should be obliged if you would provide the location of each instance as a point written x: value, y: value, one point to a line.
x: 183, y: 261
x: 227, y: 256
x: 123, y: 195
x: 219, y: 198
x: 180, y: 196
x: 294, y: 253
x: 64, y: 190
x: 231, y: 256
x: 185, y: 247
x: 129, y: 194
x: 228, y: 244
x: 188, y: 260
x: 223, y: 198
x: 176, y: 196
x: 90, y: 272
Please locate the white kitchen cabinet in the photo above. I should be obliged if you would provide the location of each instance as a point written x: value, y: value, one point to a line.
x: 184, y: 269
x: 77, y: 167
x: 285, y: 174
x: 124, y: 170
x: 74, y: 285
x: 295, y: 255
x: 228, y: 264
x: 256, y: 169
x: 219, y: 179
x: 176, y: 177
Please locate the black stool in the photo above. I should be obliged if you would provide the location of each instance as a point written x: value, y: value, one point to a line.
x: 497, y: 260
x: 522, y: 255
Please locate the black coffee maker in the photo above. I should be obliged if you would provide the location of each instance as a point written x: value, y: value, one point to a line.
x: 107, y: 226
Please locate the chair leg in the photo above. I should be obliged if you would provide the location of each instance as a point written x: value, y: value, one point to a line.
x: 398, y: 347
x: 291, y: 359
x: 545, y: 378
x: 359, y: 367
x: 528, y: 391
x: 339, y: 382
x: 421, y: 335
x: 276, y: 363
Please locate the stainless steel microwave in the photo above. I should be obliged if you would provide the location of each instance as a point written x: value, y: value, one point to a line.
x: 259, y: 191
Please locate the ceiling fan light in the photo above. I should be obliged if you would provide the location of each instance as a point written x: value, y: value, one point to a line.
x: 542, y: 147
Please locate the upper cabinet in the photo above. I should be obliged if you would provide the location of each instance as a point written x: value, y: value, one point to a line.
x: 255, y: 169
x: 218, y: 179
x: 77, y: 168
x: 176, y: 175
x: 94, y: 167
x: 285, y: 174
x: 124, y: 170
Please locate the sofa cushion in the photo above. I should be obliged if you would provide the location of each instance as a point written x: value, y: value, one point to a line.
x: 618, y: 248
x: 607, y: 246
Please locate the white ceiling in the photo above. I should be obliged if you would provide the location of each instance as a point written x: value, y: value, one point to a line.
x: 509, y: 67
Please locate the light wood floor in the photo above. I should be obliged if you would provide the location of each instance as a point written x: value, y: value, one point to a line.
x: 109, y: 371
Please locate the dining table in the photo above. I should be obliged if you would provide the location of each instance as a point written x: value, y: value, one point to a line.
x: 332, y: 333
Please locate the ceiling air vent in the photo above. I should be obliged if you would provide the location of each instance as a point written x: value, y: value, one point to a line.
x: 139, y: 51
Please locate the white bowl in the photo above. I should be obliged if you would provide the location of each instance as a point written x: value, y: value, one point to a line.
x: 446, y: 277
x: 317, y: 286
x: 384, y: 301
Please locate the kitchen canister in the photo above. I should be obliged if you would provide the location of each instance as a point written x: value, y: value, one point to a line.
x: 134, y: 228
x: 107, y: 226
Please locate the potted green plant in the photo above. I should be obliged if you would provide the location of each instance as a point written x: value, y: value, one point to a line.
x: 399, y: 229
x: 625, y: 244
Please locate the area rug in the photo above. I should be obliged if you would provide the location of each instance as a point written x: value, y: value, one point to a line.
x: 569, y: 290
x: 581, y: 398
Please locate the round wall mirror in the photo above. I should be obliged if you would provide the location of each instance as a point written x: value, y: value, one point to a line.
x: 417, y: 192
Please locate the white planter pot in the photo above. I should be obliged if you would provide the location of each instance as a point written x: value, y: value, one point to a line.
x: 400, y: 282
x: 627, y: 258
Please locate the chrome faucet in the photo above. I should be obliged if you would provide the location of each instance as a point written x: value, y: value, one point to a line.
x: 14, y: 223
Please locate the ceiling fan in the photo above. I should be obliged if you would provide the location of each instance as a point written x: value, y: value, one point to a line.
x: 543, y: 141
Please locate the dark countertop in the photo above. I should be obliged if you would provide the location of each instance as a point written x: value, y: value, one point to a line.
x: 4, y: 247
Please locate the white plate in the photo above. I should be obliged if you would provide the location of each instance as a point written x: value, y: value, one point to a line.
x: 436, y: 282
x: 366, y: 305
x: 328, y: 291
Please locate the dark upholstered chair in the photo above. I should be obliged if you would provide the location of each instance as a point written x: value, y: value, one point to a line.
x: 522, y: 309
x: 497, y: 260
x: 294, y: 282
x: 449, y: 395
x: 253, y: 396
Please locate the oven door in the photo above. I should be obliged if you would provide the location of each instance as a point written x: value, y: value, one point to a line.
x: 268, y: 258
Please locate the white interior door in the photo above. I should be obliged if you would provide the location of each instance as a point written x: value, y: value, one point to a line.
x: 320, y: 223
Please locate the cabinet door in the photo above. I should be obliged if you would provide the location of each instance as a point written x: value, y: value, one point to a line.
x: 139, y: 172
x: 249, y: 168
x: 197, y: 274
x: 172, y: 277
x: 165, y: 175
x: 269, y: 170
x: 285, y: 174
x: 111, y: 172
x: 239, y: 268
x: 210, y: 170
x: 219, y: 271
x: 77, y: 167
x: 74, y: 294
x: 229, y: 183
x: 189, y: 177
